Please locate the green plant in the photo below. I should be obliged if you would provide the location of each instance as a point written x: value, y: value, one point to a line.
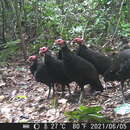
x: 11, y: 50
x: 46, y: 20
x: 125, y: 30
x: 89, y: 114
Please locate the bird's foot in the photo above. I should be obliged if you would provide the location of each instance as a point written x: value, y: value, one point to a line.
x: 95, y: 93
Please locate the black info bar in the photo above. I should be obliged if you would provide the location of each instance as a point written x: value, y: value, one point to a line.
x: 64, y: 126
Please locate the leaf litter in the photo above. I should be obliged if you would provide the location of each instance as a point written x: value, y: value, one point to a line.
x: 22, y: 99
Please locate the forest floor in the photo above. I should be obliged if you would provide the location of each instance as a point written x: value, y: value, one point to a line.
x: 22, y: 99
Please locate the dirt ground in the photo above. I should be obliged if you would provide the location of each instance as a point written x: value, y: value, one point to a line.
x: 22, y: 99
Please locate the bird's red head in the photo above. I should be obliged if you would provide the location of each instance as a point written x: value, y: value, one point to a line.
x: 32, y: 58
x: 43, y: 50
x: 78, y: 40
x: 59, y: 42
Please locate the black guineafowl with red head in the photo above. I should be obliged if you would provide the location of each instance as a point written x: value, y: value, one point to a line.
x: 79, y: 70
x: 39, y: 71
x: 119, y: 69
x: 55, y: 68
x: 100, y: 61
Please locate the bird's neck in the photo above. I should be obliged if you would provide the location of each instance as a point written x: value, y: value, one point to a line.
x: 34, y: 66
x: 82, y: 45
x: 48, y: 57
x: 48, y: 53
x: 35, y: 63
x: 66, y: 53
x: 43, y: 59
x: 65, y: 49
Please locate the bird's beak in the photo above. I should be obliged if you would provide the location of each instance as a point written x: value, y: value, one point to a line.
x: 28, y: 60
x: 129, y: 44
x: 53, y: 47
x: 72, y: 43
x: 54, y: 44
x: 41, y: 53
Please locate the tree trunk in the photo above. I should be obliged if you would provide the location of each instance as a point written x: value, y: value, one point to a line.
x: 21, y: 36
x: 3, y: 21
x: 128, y: 1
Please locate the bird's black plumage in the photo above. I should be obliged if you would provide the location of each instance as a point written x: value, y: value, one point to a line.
x: 39, y: 71
x: 80, y: 70
x: 100, y: 61
x: 55, y: 68
x: 120, y: 68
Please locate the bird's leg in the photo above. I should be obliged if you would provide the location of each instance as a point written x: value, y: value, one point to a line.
x: 63, y: 89
x: 53, y: 89
x: 81, y: 94
x: 127, y: 84
x: 76, y: 89
x: 69, y: 89
x: 49, y: 92
x: 97, y: 88
x: 50, y: 86
x: 122, y: 86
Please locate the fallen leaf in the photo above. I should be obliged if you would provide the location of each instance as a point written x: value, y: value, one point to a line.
x: 24, y: 86
x: 122, y: 109
x: 23, y: 121
x: 21, y: 96
x: 2, y: 84
x: 62, y: 101
x: 13, y: 93
x: 1, y: 98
